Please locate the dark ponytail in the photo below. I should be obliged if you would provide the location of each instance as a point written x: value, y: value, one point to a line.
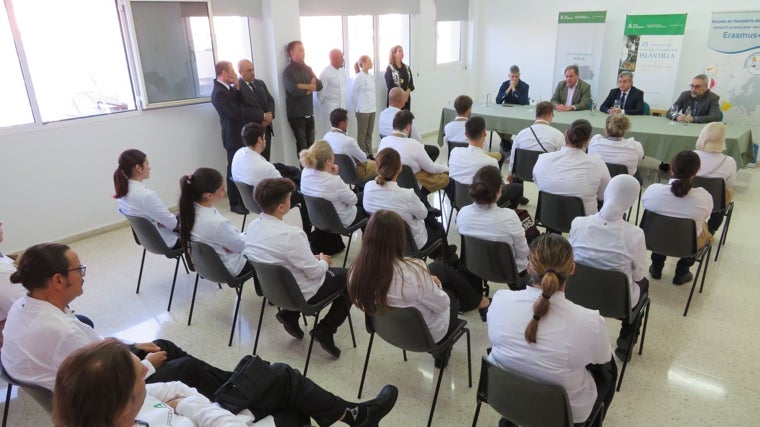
x: 127, y: 162
x: 684, y: 167
x: 192, y: 188
x: 485, y: 185
x: 579, y: 133
x: 39, y: 263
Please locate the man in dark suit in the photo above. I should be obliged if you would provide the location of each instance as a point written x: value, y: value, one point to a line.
x: 581, y: 92
x: 631, y: 100
x: 233, y: 115
x: 702, y: 103
x: 255, y: 95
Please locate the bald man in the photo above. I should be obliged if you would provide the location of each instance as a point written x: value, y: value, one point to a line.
x: 255, y: 95
x: 333, y: 93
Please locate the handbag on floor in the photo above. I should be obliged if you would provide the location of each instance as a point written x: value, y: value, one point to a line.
x: 531, y: 231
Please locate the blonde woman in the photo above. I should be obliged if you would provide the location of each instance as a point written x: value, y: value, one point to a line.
x: 364, y: 104
x: 714, y: 164
x: 614, y: 148
x: 399, y: 74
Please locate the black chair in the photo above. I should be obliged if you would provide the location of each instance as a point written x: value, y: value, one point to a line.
x: 406, y: 329
x: 608, y: 292
x: 323, y: 215
x: 556, y: 213
x: 208, y: 265
x: 522, y: 165
x: 411, y: 249
x: 280, y: 288
x: 676, y: 237
x: 406, y: 179
x: 246, y: 193
x: 717, y: 189
x: 461, y: 199
x: 146, y: 235
x: 454, y: 144
x: 515, y: 396
x: 618, y: 169
x: 494, y: 261
x: 40, y: 394
x: 347, y: 170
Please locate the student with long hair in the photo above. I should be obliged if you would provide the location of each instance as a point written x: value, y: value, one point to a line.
x: 538, y: 332
x: 714, y: 164
x: 201, y: 222
x: 399, y: 75
x: 136, y: 199
x: 364, y: 105
x: 679, y: 199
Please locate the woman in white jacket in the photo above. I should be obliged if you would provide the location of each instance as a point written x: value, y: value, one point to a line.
x: 364, y: 104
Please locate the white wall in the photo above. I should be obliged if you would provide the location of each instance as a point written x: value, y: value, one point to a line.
x: 516, y: 32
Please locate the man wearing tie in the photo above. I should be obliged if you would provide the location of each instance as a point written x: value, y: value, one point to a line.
x: 233, y: 115
x: 572, y: 93
x: 255, y: 95
x: 630, y: 100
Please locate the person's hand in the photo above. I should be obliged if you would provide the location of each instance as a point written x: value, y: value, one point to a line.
x: 174, y: 402
x: 436, y: 280
x: 147, y: 347
x: 156, y: 359
x: 682, y: 118
x: 563, y: 107
x: 512, y: 85
x: 335, y: 169
x: 268, y: 117
x: 688, y: 118
x: 614, y: 110
x: 509, y: 179
x: 325, y: 258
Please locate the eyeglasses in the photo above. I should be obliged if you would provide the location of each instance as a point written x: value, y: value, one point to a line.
x: 82, y: 269
x: 141, y: 423
x: 695, y: 86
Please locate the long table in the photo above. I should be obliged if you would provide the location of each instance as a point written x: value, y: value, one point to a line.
x: 661, y: 139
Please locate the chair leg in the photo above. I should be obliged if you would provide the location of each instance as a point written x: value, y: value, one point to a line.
x: 696, y: 277
x: 644, y: 327
x: 174, y: 283
x: 704, y: 272
x: 139, y: 277
x: 477, y: 413
x: 184, y: 264
x: 192, y: 302
x: 351, y: 326
x: 348, y: 248
x: 242, y: 227
x: 258, y: 329
x: 366, y: 363
x: 723, y: 233
x: 435, y: 395
x: 239, y: 292
x: 311, y: 345
x: 404, y: 351
x: 7, y: 404
x: 469, y: 358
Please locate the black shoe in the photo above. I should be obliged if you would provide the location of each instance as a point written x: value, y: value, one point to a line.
x: 380, y: 406
x: 621, y: 354
x: 325, y: 340
x: 655, y: 272
x: 524, y: 201
x: 290, y: 327
x: 680, y: 279
x: 240, y: 210
x: 484, y: 311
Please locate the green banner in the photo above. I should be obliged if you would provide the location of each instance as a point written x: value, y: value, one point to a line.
x: 592, y: 17
x: 655, y: 25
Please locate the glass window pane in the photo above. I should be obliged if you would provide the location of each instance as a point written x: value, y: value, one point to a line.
x: 360, y: 40
x: 448, y: 34
x: 174, y: 45
x: 15, y: 108
x: 233, y: 39
x: 76, y: 57
x: 393, y: 30
x: 320, y: 35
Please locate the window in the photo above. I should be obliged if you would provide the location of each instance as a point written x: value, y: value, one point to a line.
x: 392, y: 30
x: 233, y: 39
x: 75, y: 57
x: 360, y: 40
x: 448, y: 41
x: 320, y: 35
x: 15, y: 108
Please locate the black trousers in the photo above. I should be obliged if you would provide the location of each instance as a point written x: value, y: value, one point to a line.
x: 713, y: 224
x: 268, y: 149
x: 232, y: 192
x: 303, y: 130
x: 432, y: 151
x: 626, y: 328
x: 335, y: 280
x: 467, y: 296
x: 682, y: 267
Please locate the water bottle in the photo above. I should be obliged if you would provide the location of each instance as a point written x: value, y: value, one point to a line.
x: 593, y: 108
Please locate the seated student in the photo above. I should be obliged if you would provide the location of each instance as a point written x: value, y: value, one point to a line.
x: 613, y: 148
x: 514, y: 90
x: 250, y: 166
x: 609, y: 242
x: 464, y: 162
x: 384, y: 193
x: 430, y: 175
x: 539, y: 333
x: 9, y: 292
x: 381, y: 279
x: 572, y: 172
x: 41, y: 331
x: 269, y: 239
x: 320, y: 179
x: 628, y: 97
x: 714, y: 164
x: 201, y: 222
x: 540, y: 136
x: 136, y: 199
x: 454, y: 130
x: 107, y: 373
x: 678, y: 199
x: 484, y: 219
x: 396, y: 100
x: 344, y: 144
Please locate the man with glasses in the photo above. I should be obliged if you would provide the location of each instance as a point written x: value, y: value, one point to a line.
x: 698, y: 104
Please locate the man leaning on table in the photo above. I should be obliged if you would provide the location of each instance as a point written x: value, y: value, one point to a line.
x: 702, y: 103
x: 630, y: 99
x: 572, y: 93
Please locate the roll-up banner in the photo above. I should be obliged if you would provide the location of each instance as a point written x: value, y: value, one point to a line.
x: 580, y: 37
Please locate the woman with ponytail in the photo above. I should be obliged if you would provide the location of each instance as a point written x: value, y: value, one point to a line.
x: 485, y: 220
x: 363, y: 101
x: 200, y: 222
x: 538, y: 332
x: 678, y: 199
x: 136, y: 199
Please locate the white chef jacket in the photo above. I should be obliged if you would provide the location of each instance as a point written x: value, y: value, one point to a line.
x: 550, y: 137
x: 250, y: 167
x: 697, y: 204
x: 330, y: 187
x: 572, y: 172
x: 495, y: 224
x: 412, y: 154
x: 218, y: 232
x: 363, y: 93
x: 412, y: 286
x: 403, y: 201
x: 454, y: 131
x: 464, y: 162
x: 9, y: 292
x: 385, y: 124
x: 717, y: 165
x: 344, y: 144
x: 141, y: 201
x: 626, y: 151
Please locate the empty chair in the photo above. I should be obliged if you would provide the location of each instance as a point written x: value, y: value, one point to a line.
x: 608, y: 292
x: 524, y: 400
x: 491, y: 261
x: 280, y: 288
x: 347, y: 170
x: 556, y: 212
x: 146, y: 235
x: 208, y: 265
x: 524, y: 162
x: 405, y: 328
x: 323, y: 216
x: 676, y: 237
x: 40, y: 394
x: 717, y: 189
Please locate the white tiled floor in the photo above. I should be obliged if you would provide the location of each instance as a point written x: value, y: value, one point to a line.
x: 697, y: 370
